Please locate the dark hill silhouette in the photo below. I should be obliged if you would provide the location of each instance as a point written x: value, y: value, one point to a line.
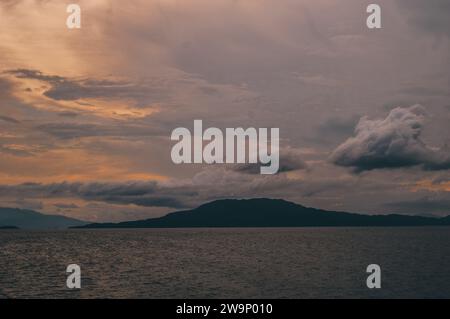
x: 8, y: 227
x: 28, y: 219
x: 269, y: 213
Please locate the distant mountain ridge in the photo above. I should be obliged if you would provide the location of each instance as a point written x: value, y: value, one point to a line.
x: 8, y: 227
x: 263, y: 212
x: 28, y: 219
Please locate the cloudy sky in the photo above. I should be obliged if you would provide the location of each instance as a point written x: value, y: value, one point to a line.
x: 86, y: 114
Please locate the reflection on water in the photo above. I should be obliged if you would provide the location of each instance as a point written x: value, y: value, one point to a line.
x: 227, y: 263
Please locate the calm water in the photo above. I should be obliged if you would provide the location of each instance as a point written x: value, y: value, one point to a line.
x: 227, y: 263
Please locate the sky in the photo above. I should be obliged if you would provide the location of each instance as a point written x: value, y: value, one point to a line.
x: 86, y: 114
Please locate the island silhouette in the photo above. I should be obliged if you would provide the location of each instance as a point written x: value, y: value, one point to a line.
x: 264, y: 212
x: 14, y: 218
x: 8, y: 227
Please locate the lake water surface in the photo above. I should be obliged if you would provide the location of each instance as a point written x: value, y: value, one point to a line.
x: 227, y: 263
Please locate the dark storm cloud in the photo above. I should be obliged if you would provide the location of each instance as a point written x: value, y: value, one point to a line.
x: 211, y: 184
x: 391, y: 143
x: 77, y: 130
x: 147, y: 194
x: 290, y: 160
x: 9, y: 119
x: 214, y: 183
x: 35, y: 75
x: 430, y: 15
x: 63, y: 88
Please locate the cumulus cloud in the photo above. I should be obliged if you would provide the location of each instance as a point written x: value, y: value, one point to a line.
x: 392, y: 142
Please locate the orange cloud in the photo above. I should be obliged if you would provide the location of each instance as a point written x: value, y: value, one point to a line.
x: 431, y: 186
x: 74, y: 165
